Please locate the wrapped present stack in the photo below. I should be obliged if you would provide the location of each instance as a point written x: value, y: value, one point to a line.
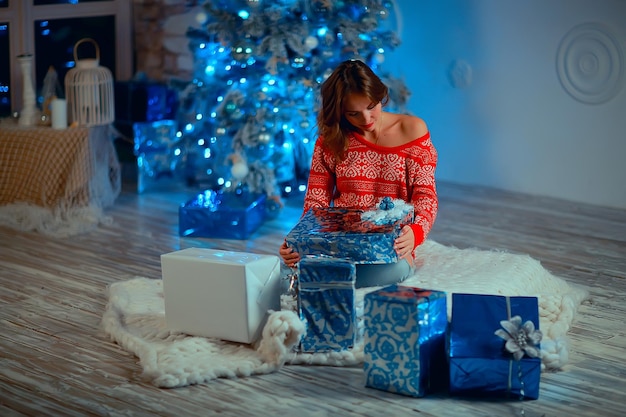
x: 493, y: 346
x: 404, y: 340
x: 331, y: 242
x: 221, y: 294
x: 489, y: 349
x: 225, y: 215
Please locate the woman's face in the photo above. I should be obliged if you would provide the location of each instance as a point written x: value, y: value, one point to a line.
x: 361, y: 112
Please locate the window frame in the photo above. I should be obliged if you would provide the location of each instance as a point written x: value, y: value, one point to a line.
x: 21, y: 16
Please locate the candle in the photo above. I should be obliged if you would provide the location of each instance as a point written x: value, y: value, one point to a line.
x: 58, y: 109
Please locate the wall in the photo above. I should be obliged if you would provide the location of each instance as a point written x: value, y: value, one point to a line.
x: 485, y: 76
x: 161, y: 44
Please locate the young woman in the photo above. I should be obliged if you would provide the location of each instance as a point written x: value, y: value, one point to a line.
x: 364, y: 154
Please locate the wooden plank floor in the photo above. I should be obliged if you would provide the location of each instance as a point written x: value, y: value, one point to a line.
x: 55, y: 361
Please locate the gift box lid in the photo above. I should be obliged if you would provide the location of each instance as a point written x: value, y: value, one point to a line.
x: 265, y: 266
x: 429, y: 307
x: 324, y: 222
x: 404, y: 294
x: 476, y: 317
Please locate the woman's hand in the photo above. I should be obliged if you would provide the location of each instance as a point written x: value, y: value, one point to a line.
x: 403, y: 244
x: 290, y: 258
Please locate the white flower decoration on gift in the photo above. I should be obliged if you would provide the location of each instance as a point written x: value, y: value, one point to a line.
x: 387, y: 211
x: 520, y: 339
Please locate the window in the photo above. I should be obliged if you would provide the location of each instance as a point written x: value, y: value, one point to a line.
x: 5, y: 71
x: 44, y: 2
x: 49, y: 29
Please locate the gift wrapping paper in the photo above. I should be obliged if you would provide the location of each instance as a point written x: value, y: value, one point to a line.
x: 479, y: 363
x: 405, y: 333
x: 341, y: 233
x: 326, y: 302
x: 221, y: 294
x: 214, y: 214
x: 157, y: 162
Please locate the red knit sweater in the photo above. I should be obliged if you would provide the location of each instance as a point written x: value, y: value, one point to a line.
x: 370, y: 172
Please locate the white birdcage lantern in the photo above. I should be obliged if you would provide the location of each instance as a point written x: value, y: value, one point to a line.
x: 89, y: 90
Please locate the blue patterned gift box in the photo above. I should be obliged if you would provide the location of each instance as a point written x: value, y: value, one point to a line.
x: 343, y: 233
x: 326, y: 301
x: 214, y: 214
x: 480, y: 363
x: 405, y: 340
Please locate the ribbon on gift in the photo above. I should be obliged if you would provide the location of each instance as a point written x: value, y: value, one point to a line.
x: 388, y: 211
x: 479, y: 365
x: 292, y: 287
x: 519, y: 373
x: 519, y: 340
x: 386, y: 204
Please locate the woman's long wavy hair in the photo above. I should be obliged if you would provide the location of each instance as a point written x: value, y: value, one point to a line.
x: 350, y: 77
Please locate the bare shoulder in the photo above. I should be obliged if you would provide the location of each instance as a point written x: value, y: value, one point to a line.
x: 413, y: 127
x: 401, y: 129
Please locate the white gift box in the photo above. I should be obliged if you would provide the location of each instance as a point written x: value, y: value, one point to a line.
x: 221, y: 294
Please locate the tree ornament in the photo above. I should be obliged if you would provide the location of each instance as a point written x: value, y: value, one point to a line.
x: 239, y: 170
x: 311, y: 42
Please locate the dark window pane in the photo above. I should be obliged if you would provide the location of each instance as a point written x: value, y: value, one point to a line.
x: 4, y: 3
x: 5, y: 71
x: 55, y: 40
x: 46, y: 2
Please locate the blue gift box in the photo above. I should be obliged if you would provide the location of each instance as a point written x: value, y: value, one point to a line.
x: 214, y: 214
x: 405, y: 340
x: 342, y: 233
x: 479, y: 362
x: 155, y: 146
x: 326, y: 302
x: 144, y: 101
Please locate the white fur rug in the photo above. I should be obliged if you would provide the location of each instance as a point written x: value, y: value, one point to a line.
x: 135, y: 318
x: 59, y: 222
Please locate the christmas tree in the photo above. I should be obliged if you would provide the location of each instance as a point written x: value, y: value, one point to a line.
x: 248, y: 116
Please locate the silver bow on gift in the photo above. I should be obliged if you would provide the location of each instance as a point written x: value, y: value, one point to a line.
x: 386, y: 204
x: 520, y: 338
